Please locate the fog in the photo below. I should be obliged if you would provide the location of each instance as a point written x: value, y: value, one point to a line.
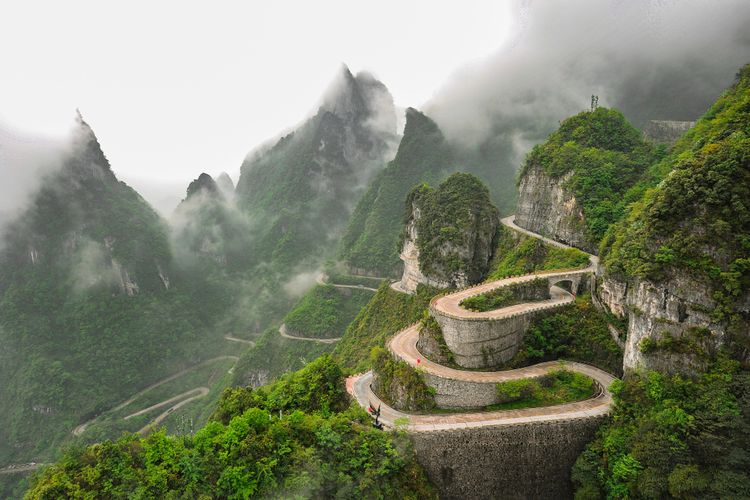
x: 653, y: 60
x: 24, y: 158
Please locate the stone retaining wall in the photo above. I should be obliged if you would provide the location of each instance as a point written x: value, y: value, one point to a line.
x: 463, y: 394
x: 482, y: 343
x: 516, y: 461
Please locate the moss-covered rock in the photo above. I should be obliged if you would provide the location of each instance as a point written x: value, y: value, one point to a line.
x: 399, y: 384
x: 449, y: 234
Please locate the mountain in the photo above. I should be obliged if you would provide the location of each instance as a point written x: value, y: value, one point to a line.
x: 676, y: 269
x: 92, y: 306
x: 572, y: 187
x: 370, y: 244
x: 207, y: 228
x: 300, y: 191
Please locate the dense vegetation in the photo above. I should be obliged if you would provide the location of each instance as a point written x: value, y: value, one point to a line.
x: 708, y: 187
x: 297, y: 437
x: 578, y: 332
x: 686, y: 436
x: 300, y: 190
x: 517, y: 254
x: 455, y: 229
x: 605, y: 155
x: 516, y: 293
x: 92, y: 306
x: 554, y: 388
x: 399, y: 384
x: 273, y: 355
x: 371, y: 239
x: 673, y: 436
x: 325, y: 311
x: 386, y: 314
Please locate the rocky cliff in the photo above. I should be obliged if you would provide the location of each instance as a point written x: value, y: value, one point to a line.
x: 670, y: 326
x: 676, y: 266
x: 572, y: 187
x: 449, y: 234
x: 547, y: 207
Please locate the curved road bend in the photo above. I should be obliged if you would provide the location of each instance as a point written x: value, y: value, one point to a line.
x: 80, y: 429
x: 404, y: 345
x: 283, y: 333
x: 359, y: 387
x: 450, y: 305
x: 509, y: 222
x: 202, y: 391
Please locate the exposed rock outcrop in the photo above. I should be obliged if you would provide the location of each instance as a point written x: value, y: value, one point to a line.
x: 449, y: 235
x: 547, y: 207
x: 670, y: 323
x: 413, y: 275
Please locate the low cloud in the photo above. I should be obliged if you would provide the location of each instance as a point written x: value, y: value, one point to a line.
x: 301, y: 283
x: 653, y: 60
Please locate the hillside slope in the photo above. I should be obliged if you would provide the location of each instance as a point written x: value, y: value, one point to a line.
x: 300, y: 191
x: 91, y: 304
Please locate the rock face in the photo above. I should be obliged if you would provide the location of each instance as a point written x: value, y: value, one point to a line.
x: 546, y: 207
x: 665, y: 131
x: 449, y: 235
x: 413, y: 275
x: 670, y: 327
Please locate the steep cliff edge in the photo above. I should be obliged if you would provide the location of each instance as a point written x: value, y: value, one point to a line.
x: 678, y: 264
x: 572, y: 187
x: 92, y: 303
x: 449, y: 234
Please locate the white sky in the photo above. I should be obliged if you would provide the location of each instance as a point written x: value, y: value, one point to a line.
x: 175, y: 88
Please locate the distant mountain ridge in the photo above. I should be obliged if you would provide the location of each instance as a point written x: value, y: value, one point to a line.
x: 301, y: 190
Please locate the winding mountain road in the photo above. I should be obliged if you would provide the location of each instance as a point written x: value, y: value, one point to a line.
x: 510, y: 222
x: 80, y: 429
x: 450, y: 305
x: 283, y: 332
x: 321, y: 280
x: 20, y: 468
x: 404, y: 346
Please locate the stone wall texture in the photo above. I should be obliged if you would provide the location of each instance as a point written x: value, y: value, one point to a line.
x: 461, y: 394
x: 508, y: 462
x: 482, y: 343
x: 665, y: 131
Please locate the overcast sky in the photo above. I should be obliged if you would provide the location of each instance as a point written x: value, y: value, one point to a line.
x: 175, y: 88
